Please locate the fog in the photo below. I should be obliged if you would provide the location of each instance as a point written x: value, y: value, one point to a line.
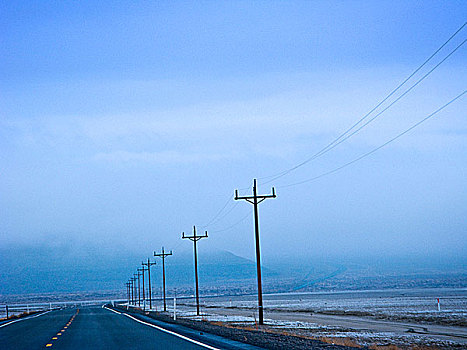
x: 118, y: 138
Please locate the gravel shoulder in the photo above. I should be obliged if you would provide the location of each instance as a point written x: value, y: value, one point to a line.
x: 363, y: 331
x: 442, y: 332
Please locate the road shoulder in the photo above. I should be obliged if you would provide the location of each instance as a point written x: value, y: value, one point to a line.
x: 230, y: 337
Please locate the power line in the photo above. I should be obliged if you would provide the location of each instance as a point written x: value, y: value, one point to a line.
x: 216, y: 217
x: 345, y: 135
x: 379, y: 147
x: 219, y: 212
x: 227, y: 213
x: 233, y: 225
x: 392, y: 103
x: 342, y: 137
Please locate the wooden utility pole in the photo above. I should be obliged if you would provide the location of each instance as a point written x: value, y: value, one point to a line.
x: 142, y: 269
x: 136, y: 277
x: 133, y: 294
x: 163, y: 255
x: 255, y: 200
x: 148, y: 264
x: 195, y: 238
x: 128, y: 291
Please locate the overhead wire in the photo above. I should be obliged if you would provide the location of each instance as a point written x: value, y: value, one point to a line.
x: 379, y: 147
x: 342, y: 137
x: 219, y: 212
x: 345, y: 135
x: 234, y: 224
x: 226, y: 213
x: 400, y: 97
x: 217, y: 217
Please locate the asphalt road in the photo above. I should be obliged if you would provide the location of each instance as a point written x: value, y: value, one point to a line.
x: 98, y: 328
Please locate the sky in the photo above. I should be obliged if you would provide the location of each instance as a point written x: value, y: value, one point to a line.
x: 123, y: 124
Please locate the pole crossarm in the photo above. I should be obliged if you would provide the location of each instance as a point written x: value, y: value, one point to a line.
x: 148, y: 263
x: 163, y: 254
x: 262, y: 197
x: 195, y: 237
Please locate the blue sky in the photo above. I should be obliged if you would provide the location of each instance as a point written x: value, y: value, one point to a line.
x: 129, y: 122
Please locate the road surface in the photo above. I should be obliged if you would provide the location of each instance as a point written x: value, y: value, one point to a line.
x: 99, y: 328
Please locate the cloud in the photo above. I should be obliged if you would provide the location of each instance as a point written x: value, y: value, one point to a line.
x: 282, y: 124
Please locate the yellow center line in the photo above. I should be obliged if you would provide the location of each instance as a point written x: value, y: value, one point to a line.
x: 48, y: 345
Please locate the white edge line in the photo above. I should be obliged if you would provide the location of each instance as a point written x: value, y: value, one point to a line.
x: 104, y: 307
x: 173, y: 333
x: 167, y: 331
x: 23, y: 319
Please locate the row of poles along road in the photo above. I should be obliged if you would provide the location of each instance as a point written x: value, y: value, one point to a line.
x: 137, y: 295
x: 255, y: 199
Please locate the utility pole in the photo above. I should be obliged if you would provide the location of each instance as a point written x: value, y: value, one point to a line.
x: 142, y: 269
x: 163, y: 255
x: 128, y: 291
x: 195, y: 238
x: 130, y: 287
x: 148, y: 264
x: 134, y: 290
x: 139, y: 286
x: 132, y: 280
x: 136, y: 277
x: 255, y: 200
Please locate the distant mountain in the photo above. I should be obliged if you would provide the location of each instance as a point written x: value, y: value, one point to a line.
x: 70, y: 268
x: 26, y: 270
x: 214, y: 267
